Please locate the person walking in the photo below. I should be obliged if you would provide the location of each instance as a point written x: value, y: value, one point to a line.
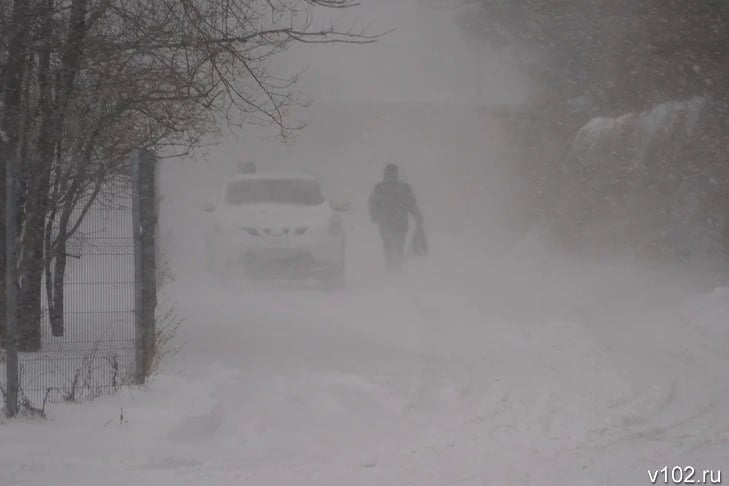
x: 391, y: 204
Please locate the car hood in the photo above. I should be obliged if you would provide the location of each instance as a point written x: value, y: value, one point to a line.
x: 273, y: 215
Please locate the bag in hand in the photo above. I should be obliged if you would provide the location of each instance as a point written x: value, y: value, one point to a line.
x: 419, y: 243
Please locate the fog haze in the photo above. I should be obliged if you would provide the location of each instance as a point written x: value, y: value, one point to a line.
x: 527, y: 347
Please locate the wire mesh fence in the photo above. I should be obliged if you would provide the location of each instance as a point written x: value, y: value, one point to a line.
x: 106, y: 341
x: 95, y: 354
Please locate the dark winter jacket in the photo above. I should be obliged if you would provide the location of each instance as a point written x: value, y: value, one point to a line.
x: 390, y: 203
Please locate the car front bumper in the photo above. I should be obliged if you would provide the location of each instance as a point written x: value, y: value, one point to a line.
x: 292, y: 256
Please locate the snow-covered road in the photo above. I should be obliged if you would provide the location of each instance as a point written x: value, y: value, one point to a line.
x: 431, y: 380
x: 539, y: 377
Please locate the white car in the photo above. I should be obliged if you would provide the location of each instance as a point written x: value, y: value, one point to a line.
x: 275, y: 224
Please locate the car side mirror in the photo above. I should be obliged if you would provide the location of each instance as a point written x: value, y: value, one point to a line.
x: 208, y: 207
x: 341, y: 207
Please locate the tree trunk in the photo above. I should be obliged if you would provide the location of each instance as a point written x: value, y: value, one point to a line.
x: 12, y: 100
x: 52, y: 112
x: 56, y: 269
x: 32, y: 259
x: 3, y: 181
x: 29, y: 292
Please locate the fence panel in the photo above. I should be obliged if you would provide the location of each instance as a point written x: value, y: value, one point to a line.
x: 95, y: 355
x: 109, y: 300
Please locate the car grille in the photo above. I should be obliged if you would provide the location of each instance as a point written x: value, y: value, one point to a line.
x: 299, y: 230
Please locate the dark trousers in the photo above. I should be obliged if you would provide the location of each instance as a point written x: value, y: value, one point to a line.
x: 393, y: 243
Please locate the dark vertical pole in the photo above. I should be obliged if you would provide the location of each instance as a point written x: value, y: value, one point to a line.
x: 144, y: 221
x: 157, y: 238
x: 11, y: 291
x: 139, y: 359
x: 148, y: 225
x: 9, y: 123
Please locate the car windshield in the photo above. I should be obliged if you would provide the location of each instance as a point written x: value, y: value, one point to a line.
x: 299, y: 192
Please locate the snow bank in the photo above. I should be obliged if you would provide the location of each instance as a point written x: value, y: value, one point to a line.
x: 639, y: 129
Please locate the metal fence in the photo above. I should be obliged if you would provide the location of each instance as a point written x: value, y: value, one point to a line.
x: 108, y: 329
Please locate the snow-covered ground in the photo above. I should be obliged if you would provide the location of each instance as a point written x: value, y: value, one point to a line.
x: 494, y: 361
x: 546, y: 373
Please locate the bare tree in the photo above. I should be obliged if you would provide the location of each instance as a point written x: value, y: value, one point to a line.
x: 103, y: 77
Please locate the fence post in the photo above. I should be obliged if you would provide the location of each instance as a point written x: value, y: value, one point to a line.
x: 158, y: 237
x: 12, y: 384
x: 148, y: 222
x: 139, y: 372
x: 144, y: 222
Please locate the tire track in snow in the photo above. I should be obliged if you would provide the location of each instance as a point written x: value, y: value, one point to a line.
x: 479, y: 384
x: 675, y: 401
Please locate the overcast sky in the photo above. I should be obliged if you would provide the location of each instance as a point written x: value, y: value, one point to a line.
x: 425, y: 58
